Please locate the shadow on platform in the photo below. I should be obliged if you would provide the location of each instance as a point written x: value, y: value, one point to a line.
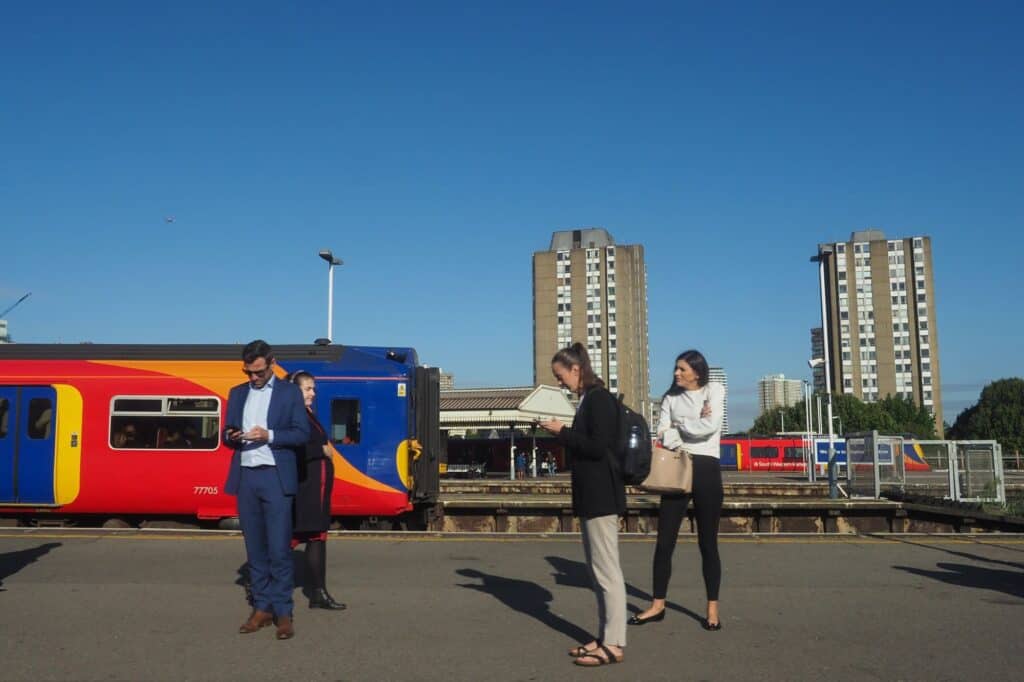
x: 300, y: 574
x: 966, y: 555
x: 965, y: 575
x: 573, y: 573
x: 525, y: 597
x: 12, y: 562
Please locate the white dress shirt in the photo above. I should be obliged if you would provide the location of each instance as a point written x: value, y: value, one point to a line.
x: 257, y: 404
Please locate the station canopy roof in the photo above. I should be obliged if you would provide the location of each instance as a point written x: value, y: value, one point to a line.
x: 497, y: 408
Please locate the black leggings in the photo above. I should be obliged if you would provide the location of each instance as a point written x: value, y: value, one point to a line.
x: 707, y: 506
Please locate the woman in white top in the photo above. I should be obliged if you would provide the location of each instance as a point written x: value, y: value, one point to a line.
x: 691, y: 419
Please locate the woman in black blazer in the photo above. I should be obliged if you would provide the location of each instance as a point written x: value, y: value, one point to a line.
x: 598, y: 497
x: 312, y: 513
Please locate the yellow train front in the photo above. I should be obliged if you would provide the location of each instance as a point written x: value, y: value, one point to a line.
x: 133, y: 432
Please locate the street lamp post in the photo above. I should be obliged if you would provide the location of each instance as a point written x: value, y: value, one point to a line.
x: 331, y: 262
x: 533, y: 437
x: 808, y: 438
x: 824, y: 251
x: 840, y: 418
x: 511, y: 451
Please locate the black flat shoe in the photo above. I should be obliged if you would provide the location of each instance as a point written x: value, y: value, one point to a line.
x: 711, y: 627
x: 323, y: 600
x: 637, y: 620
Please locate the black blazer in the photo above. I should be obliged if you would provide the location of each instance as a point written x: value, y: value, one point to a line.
x: 314, y: 449
x: 597, y: 488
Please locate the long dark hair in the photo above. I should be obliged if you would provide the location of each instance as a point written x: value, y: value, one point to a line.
x: 697, y: 363
x: 576, y: 354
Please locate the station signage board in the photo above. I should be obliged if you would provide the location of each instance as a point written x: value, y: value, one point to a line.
x: 821, y: 450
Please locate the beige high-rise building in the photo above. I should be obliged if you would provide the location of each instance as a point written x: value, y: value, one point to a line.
x: 882, y: 332
x: 588, y: 289
x: 775, y: 391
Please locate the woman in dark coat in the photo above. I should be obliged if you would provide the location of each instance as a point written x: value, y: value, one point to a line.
x: 312, y: 516
x: 598, y: 497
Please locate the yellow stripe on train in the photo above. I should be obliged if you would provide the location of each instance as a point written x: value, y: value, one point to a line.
x: 67, y: 471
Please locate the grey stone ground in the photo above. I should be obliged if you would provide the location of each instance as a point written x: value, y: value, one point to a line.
x: 84, y: 606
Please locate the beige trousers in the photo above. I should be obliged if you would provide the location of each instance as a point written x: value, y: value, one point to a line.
x: 601, y: 549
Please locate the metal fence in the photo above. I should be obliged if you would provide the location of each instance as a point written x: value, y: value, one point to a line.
x: 976, y: 473
x: 963, y: 471
x: 935, y: 453
x: 874, y: 463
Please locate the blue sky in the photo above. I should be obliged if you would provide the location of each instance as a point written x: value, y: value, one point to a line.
x: 436, y: 146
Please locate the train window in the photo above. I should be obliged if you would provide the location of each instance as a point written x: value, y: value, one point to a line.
x: 764, y: 452
x: 165, y: 423
x: 138, y: 405
x: 40, y: 418
x: 4, y: 409
x: 192, y: 405
x: 793, y: 453
x: 345, y: 424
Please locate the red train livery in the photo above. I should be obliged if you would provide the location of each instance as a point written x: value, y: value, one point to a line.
x: 134, y: 431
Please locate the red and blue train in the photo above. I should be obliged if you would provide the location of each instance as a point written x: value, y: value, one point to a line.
x: 787, y: 454
x: 134, y: 431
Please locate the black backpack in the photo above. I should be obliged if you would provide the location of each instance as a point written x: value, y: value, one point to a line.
x: 633, y: 455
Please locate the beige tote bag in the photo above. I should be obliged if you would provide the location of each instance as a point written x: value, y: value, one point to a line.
x: 671, y: 472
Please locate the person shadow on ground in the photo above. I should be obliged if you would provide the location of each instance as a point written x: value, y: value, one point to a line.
x: 966, y: 555
x: 12, y: 562
x: 575, y: 574
x: 965, y: 575
x: 299, y: 573
x: 525, y: 597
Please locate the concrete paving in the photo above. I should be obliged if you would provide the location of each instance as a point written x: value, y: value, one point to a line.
x: 165, y: 606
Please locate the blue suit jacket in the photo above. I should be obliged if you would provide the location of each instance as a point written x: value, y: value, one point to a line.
x: 287, y: 418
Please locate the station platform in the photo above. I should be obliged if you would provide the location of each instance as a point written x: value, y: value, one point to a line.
x: 152, y: 605
x: 754, y: 502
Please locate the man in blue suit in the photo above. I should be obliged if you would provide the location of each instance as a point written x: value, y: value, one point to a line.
x: 266, y: 423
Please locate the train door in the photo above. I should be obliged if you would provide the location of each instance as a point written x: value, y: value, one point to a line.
x: 8, y: 418
x: 427, y: 429
x: 27, y: 444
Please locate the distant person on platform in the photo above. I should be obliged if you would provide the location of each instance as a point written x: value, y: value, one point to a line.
x: 520, y: 465
x: 266, y: 424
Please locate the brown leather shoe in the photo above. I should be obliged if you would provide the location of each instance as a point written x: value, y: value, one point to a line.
x: 258, y: 619
x: 285, y: 629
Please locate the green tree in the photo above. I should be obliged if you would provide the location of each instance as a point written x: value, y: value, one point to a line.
x: 998, y: 415
x: 771, y: 422
x: 857, y: 415
x: 852, y: 415
x: 909, y: 417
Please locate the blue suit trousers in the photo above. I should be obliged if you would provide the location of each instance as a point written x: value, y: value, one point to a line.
x: 266, y: 516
